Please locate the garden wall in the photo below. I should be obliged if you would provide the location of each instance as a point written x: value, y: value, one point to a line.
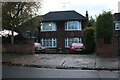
x: 27, y: 48
x: 107, y: 50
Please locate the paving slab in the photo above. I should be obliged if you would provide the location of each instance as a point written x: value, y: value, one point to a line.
x: 49, y: 62
x: 107, y: 62
x: 79, y: 62
x: 26, y: 59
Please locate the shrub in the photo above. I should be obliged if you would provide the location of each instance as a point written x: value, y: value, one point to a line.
x: 89, y: 39
x: 17, y: 39
x: 6, y: 39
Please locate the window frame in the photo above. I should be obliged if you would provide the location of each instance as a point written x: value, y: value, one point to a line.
x: 49, y: 42
x: 68, y: 28
x: 68, y: 41
x: 117, y: 24
x: 53, y: 26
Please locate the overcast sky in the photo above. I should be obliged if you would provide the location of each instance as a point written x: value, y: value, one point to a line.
x: 94, y: 7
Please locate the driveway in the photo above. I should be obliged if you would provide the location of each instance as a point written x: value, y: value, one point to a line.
x: 62, y: 60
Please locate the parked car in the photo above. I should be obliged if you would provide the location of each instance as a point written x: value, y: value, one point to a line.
x: 39, y: 47
x: 77, y: 47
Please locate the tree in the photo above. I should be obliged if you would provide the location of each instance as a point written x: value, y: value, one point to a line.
x: 15, y: 14
x: 104, y: 26
x: 91, y: 22
x: 30, y: 25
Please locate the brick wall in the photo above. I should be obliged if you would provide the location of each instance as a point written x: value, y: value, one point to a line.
x: 27, y: 48
x: 107, y: 50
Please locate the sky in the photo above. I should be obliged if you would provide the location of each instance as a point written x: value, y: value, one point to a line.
x: 94, y: 7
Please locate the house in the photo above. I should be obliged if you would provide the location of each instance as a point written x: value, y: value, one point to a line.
x: 117, y: 22
x: 61, y: 28
x: 117, y: 30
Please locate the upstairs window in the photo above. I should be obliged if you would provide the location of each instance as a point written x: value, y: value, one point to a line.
x: 73, y: 25
x: 117, y: 25
x: 48, y: 26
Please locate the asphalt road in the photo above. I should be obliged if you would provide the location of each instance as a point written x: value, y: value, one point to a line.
x: 25, y: 72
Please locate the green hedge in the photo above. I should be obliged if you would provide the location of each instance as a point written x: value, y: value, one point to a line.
x: 89, y: 39
x: 104, y: 25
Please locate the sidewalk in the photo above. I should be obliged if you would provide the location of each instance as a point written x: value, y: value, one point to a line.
x: 74, y: 61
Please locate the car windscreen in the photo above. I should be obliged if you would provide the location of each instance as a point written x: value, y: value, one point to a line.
x: 77, y: 44
x: 37, y: 44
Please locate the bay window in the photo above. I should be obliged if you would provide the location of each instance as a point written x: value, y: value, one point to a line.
x: 73, y: 25
x: 48, y: 26
x: 49, y: 42
x: 69, y: 41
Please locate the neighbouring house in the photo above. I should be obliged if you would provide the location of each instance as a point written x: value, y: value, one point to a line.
x: 117, y: 22
x: 113, y: 48
x: 61, y: 28
x: 117, y: 30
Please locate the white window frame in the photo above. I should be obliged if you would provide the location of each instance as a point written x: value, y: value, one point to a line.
x: 117, y: 24
x: 68, y: 28
x: 49, y: 42
x: 69, y: 41
x: 51, y: 24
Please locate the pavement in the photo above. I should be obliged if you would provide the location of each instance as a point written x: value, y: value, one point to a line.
x: 62, y: 61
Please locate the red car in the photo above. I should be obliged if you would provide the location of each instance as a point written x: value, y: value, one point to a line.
x: 77, y: 47
x: 39, y: 47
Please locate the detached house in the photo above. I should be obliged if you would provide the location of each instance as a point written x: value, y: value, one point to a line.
x: 117, y: 30
x: 117, y: 22
x: 61, y: 28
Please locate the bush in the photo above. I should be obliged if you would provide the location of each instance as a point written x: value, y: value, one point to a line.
x: 89, y: 39
x: 17, y: 39
x: 6, y: 39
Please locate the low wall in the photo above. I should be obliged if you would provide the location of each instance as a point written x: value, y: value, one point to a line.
x: 27, y: 48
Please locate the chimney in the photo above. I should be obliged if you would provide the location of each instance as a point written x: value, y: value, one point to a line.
x: 87, y: 14
x: 87, y: 18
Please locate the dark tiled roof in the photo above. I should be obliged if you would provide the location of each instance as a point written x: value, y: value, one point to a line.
x: 117, y: 17
x: 63, y: 15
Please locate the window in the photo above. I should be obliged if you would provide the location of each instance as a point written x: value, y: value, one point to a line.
x: 49, y: 42
x: 48, y: 26
x: 117, y: 25
x: 73, y: 25
x: 69, y: 41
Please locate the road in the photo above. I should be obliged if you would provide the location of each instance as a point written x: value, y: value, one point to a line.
x: 25, y: 72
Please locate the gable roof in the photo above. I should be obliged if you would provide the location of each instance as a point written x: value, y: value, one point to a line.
x: 117, y: 17
x: 62, y: 15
